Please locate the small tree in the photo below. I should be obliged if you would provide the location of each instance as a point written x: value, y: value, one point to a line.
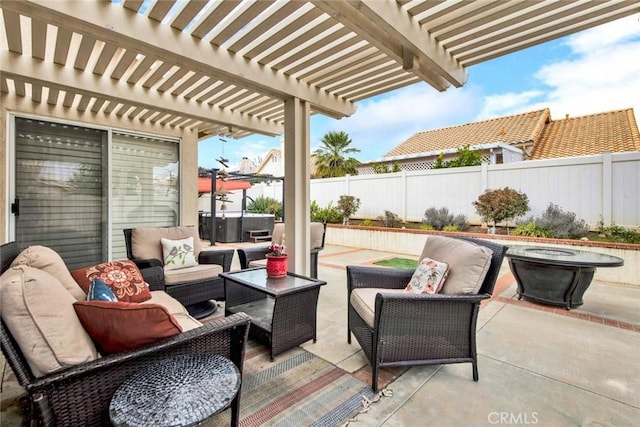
x: 500, y: 205
x: 348, y: 205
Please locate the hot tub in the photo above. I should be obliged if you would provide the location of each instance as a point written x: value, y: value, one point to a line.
x: 231, y: 227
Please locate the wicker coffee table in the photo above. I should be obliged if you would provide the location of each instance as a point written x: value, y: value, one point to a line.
x: 181, y: 391
x: 282, y: 310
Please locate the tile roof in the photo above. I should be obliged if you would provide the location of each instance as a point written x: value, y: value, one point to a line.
x: 614, y: 131
x: 517, y: 129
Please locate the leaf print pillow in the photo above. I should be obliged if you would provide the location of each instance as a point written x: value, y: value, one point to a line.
x: 178, y: 253
x: 428, y: 277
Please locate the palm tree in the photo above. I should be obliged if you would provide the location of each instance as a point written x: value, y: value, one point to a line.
x: 331, y: 157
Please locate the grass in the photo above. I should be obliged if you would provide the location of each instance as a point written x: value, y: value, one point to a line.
x: 398, y: 263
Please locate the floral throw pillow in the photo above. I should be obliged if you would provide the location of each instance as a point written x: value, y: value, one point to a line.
x: 428, y: 277
x: 122, y: 277
x: 178, y: 253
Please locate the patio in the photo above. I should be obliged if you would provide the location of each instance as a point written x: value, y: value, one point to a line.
x: 538, y: 365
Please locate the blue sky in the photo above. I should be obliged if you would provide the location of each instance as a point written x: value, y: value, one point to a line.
x: 593, y: 71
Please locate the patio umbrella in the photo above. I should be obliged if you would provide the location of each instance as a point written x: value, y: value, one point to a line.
x: 204, y: 184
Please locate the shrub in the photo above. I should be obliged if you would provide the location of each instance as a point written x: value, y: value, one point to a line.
x: 390, y: 219
x: 330, y: 214
x: 266, y: 205
x: 560, y: 224
x: 348, y: 205
x: 451, y: 227
x: 424, y: 226
x: 438, y: 219
x: 500, y: 205
x: 530, y: 229
x: 366, y: 223
x: 618, y: 234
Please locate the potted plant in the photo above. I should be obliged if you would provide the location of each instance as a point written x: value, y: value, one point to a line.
x: 276, y: 260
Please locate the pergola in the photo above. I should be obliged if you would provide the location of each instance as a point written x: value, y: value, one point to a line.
x: 232, y: 68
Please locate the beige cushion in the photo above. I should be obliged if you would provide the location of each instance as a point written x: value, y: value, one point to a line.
x: 197, y: 272
x: 48, y: 260
x: 38, y: 311
x: 316, y: 232
x: 162, y: 298
x: 145, y: 241
x: 468, y: 263
x: 174, y: 308
x: 258, y: 263
x: 363, y: 301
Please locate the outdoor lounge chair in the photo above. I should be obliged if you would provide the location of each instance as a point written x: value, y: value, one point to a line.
x: 256, y: 256
x: 79, y: 394
x: 195, y: 287
x: 398, y: 328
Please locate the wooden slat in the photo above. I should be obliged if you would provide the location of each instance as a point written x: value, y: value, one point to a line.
x: 38, y: 39
x: 107, y: 53
x: 63, y: 41
x: 123, y: 65
x: 143, y: 67
x: 159, y: 9
x: 12, y: 30
x: 84, y: 52
x: 187, y: 13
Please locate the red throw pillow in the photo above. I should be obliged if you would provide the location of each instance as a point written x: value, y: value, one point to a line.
x: 123, y: 277
x: 121, y: 326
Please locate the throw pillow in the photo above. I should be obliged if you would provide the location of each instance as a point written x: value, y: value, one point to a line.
x: 123, y: 277
x: 428, y: 277
x: 121, y: 326
x: 178, y: 253
x: 38, y: 311
x: 99, y: 291
x: 46, y: 259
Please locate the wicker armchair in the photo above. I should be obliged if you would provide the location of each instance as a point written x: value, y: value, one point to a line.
x: 255, y: 256
x: 418, y: 329
x: 195, y: 295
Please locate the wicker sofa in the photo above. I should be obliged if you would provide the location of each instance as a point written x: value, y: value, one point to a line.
x: 79, y: 394
x: 195, y: 287
x: 395, y: 327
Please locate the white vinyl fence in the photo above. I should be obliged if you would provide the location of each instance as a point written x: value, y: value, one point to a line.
x: 596, y: 188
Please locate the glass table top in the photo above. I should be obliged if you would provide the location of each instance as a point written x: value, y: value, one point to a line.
x: 257, y: 278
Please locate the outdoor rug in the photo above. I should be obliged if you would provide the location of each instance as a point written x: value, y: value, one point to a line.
x: 296, y: 389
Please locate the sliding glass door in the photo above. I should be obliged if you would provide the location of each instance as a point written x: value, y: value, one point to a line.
x: 76, y: 188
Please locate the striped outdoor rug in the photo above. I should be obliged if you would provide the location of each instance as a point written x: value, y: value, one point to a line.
x: 297, y: 389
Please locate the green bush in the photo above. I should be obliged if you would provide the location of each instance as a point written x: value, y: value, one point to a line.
x: 366, y: 223
x: 424, y: 226
x: 466, y: 157
x: 330, y: 214
x: 451, y: 227
x: 560, y: 224
x: 438, y: 219
x: 618, y: 234
x: 390, y: 220
x: 530, y: 229
x: 500, y: 205
x: 266, y: 205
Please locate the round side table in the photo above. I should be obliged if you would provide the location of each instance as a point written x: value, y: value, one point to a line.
x: 181, y: 391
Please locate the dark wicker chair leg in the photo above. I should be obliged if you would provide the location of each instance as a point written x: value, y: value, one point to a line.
x: 374, y: 377
x: 475, y: 370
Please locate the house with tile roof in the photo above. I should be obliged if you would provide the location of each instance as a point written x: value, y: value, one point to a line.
x: 519, y: 137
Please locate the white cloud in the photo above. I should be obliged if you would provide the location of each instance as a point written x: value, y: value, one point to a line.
x: 382, y: 123
x: 601, y: 74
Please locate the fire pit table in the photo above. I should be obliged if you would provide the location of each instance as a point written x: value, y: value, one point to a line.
x: 556, y: 276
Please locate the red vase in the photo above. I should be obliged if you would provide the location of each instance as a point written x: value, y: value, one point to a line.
x: 276, y: 266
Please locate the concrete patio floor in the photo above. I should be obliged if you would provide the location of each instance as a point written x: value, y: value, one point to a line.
x: 538, y: 365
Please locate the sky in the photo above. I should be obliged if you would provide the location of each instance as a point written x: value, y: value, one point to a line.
x: 590, y: 72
